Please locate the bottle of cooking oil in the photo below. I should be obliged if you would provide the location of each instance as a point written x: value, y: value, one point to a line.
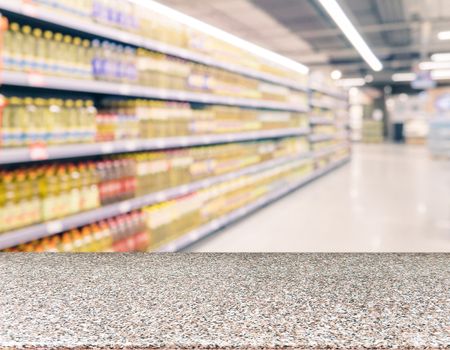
x: 86, y: 58
x: 63, y: 196
x: 39, y: 50
x: 77, y: 240
x: 2, y: 202
x: 69, y: 123
x: 66, y: 244
x: 74, y: 189
x: 28, y: 49
x: 15, y: 44
x: 59, y: 121
x: 49, y: 192
x: 48, y: 58
x: 58, y: 48
x: 35, y: 201
x: 69, y: 56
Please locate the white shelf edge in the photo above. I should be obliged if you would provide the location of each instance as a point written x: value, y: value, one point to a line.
x: 320, y: 137
x: 29, y: 233
x: 217, y: 224
x: 320, y: 120
x: 88, y: 26
x: 329, y: 92
x: 327, y: 151
x: 24, y: 154
x: 103, y: 87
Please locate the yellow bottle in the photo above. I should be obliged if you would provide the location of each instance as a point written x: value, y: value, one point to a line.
x: 28, y: 49
x: 49, y: 61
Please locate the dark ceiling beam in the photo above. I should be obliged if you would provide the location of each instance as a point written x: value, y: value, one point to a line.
x: 382, y: 27
x: 380, y: 51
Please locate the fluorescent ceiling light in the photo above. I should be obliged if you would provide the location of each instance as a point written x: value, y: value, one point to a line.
x: 444, y: 35
x: 336, y: 74
x: 441, y: 57
x: 222, y: 35
x: 340, y: 18
x: 351, y: 82
x: 440, y: 74
x: 434, y: 65
x: 403, y: 77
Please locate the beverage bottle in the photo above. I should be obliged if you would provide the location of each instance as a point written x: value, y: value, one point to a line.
x: 74, y: 189
x: 87, y: 238
x: 58, y: 120
x: 94, y: 182
x: 35, y: 200
x: 70, y: 56
x: 57, y: 48
x: 77, y: 241
x: 64, y: 195
x: 54, y: 244
x: 106, y: 234
x: 67, y: 243
x: 15, y: 43
x: 18, y: 121
x: 91, y: 121
x: 69, y: 124
x: 49, y: 61
x: 39, y: 50
x: 48, y: 187
x: 81, y: 122
x: 36, y: 123
x: 27, y: 49
x: 98, y: 61
x: 86, y: 58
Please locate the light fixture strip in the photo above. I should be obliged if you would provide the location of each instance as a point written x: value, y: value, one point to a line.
x: 400, y: 77
x: 444, y: 35
x: 222, y: 35
x: 441, y: 57
x: 335, y: 11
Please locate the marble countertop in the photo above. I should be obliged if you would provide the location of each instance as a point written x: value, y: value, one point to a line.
x: 236, y: 301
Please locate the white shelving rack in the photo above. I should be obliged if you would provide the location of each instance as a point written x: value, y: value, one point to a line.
x: 14, y: 156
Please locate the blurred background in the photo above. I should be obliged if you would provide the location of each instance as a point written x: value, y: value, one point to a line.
x: 225, y: 125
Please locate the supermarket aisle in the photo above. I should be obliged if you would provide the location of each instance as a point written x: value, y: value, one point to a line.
x: 390, y: 198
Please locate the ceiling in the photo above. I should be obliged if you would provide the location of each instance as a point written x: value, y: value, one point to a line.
x: 400, y: 32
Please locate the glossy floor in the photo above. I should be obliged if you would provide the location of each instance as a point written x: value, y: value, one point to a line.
x: 389, y: 198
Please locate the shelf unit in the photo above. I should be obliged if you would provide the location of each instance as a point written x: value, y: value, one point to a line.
x: 197, y: 234
x: 102, y: 87
x: 34, y: 11
x: 33, y: 232
x: 23, y: 155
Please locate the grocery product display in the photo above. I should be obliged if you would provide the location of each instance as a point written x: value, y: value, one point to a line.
x: 439, y: 137
x: 51, y: 121
x: 372, y: 131
x: 122, y: 130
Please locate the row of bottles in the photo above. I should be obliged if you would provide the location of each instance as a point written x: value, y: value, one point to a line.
x: 26, y: 121
x: 160, y: 223
x: 42, y: 51
x: 124, y: 233
x: 40, y: 193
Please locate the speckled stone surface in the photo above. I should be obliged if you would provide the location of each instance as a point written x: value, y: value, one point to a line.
x: 241, y: 301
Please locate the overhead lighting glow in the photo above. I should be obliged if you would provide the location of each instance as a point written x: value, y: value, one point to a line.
x: 399, y: 77
x: 336, y: 74
x: 440, y: 74
x: 368, y: 78
x: 351, y: 82
x: 441, y: 57
x: 222, y: 35
x: 340, y: 18
x: 444, y: 35
x: 434, y: 65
